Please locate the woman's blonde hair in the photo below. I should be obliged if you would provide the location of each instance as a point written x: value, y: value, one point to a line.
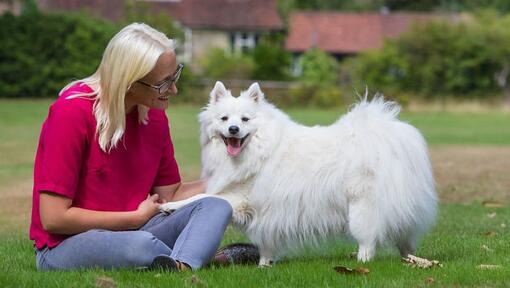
x: 130, y: 55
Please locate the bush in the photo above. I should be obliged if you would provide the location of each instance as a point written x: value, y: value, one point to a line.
x: 41, y: 53
x: 218, y: 64
x: 439, y: 59
x: 271, y: 61
x: 318, y: 80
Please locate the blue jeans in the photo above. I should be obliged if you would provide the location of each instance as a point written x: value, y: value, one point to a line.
x: 191, y: 234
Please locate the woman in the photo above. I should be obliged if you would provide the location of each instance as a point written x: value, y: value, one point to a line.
x: 105, y: 162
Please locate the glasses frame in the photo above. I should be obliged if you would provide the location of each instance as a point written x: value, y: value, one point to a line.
x: 166, y: 84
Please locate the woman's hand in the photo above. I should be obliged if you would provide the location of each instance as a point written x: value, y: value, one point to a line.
x: 59, y: 217
x: 148, y: 208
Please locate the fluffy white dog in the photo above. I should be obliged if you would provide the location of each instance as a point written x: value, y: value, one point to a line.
x: 367, y: 175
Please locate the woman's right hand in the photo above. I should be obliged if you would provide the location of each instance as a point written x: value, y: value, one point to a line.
x: 148, y: 208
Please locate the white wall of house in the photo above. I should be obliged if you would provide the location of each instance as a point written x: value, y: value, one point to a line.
x: 202, y: 42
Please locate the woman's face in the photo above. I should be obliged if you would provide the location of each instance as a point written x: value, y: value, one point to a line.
x: 141, y: 93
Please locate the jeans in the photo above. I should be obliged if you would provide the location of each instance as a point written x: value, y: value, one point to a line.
x: 190, y: 234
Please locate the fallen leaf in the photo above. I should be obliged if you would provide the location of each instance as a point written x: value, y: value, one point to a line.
x: 489, y: 266
x: 362, y: 270
x: 353, y: 255
x: 491, y: 215
x: 414, y: 261
x: 343, y: 270
x: 430, y: 280
x: 105, y: 282
x: 492, y: 204
x: 195, y: 281
x: 490, y: 233
x: 486, y: 248
x: 347, y: 270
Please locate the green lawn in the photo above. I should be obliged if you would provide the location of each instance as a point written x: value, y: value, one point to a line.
x: 464, y: 237
x: 456, y: 242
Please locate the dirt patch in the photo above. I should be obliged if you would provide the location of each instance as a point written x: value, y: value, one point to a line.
x: 463, y: 175
x: 467, y: 174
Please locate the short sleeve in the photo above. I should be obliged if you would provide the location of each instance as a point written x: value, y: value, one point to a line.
x: 62, y: 145
x: 168, y: 171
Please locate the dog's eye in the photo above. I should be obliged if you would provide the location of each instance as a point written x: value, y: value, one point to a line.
x: 224, y: 118
x: 245, y: 119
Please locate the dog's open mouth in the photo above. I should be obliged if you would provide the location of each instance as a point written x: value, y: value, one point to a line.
x: 234, y: 145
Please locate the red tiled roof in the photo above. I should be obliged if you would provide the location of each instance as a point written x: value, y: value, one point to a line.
x: 209, y: 14
x: 226, y: 14
x: 111, y: 9
x: 341, y: 33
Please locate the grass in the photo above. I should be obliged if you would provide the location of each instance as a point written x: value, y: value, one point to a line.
x: 456, y: 242
x: 460, y: 240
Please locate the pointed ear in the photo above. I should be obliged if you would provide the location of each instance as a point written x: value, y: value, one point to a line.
x: 255, y: 93
x: 219, y: 91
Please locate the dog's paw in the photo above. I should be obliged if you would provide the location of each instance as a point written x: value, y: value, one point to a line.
x: 242, y: 215
x: 365, y: 254
x: 265, y: 262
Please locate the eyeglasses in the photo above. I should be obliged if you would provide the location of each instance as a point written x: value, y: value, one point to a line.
x: 165, y: 86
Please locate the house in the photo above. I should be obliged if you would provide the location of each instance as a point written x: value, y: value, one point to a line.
x: 343, y: 34
x: 13, y: 7
x: 234, y: 25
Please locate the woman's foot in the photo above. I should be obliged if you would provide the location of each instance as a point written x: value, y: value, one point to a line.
x: 165, y: 262
x: 237, y: 253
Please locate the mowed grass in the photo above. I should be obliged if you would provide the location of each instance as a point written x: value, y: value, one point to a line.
x: 466, y: 235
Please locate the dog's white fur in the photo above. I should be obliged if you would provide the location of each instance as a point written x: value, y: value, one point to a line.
x: 367, y: 175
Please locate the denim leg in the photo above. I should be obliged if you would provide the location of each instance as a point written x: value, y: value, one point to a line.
x: 103, y: 249
x: 194, y: 231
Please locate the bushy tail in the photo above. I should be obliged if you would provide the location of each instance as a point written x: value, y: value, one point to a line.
x: 376, y: 107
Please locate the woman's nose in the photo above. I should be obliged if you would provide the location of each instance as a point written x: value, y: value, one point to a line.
x: 173, y: 89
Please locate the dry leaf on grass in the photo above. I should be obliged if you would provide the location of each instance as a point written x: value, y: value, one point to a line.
x: 195, y: 281
x: 492, y: 215
x: 105, y: 282
x: 414, y: 261
x: 492, y: 204
x: 490, y: 233
x: 489, y: 267
x: 486, y: 248
x: 430, y: 280
x: 347, y: 270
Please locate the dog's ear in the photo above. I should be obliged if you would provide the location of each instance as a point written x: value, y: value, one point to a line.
x: 255, y: 93
x: 218, y: 92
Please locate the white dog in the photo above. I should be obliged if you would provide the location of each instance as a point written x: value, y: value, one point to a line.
x: 367, y: 175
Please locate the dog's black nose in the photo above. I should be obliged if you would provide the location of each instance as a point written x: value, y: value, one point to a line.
x: 233, y: 130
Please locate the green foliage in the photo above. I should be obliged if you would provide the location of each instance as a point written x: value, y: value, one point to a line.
x: 318, y: 81
x: 439, y: 59
x: 318, y: 68
x: 219, y: 64
x: 285, y: 6
x: 271, y: 61
x: 41, y: 53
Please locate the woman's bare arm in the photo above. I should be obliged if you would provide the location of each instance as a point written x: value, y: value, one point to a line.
x: 179, y: 191
x: 58, y: 217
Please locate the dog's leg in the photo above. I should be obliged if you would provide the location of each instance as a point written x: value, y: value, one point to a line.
x: 266, y: 257
x: 407, y: 245
x: 362, y: 226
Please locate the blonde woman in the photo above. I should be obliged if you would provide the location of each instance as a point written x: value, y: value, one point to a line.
x: 105, y: 162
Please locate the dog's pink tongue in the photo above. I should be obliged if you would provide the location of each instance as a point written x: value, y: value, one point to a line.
x: 234, y: 146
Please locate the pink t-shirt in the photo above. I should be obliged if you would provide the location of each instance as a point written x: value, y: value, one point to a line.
x: 70, y: 162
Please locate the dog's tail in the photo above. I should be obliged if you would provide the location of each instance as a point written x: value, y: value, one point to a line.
x: 397, y: 153
x: 377, y: 107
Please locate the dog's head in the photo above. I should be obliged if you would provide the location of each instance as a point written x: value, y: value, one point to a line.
x: 231, y: 120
